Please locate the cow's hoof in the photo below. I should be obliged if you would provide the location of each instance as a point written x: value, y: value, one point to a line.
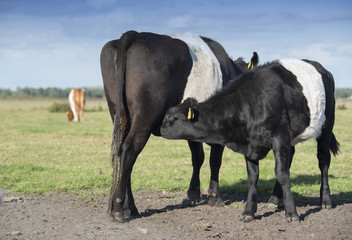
x: 134, y: 212
x: 193, y: 195
x: 215, y: 201
x: 294, y: 219
x: 131, y: 213
x: 189, y: 203
x: 127, y: 213
x: 246, y: 218
x: 118, y: 217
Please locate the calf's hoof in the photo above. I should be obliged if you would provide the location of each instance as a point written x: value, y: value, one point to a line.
x: 294, y: 219
x: 326, y: 205
x: 215, y: 201
x: 246, y: 218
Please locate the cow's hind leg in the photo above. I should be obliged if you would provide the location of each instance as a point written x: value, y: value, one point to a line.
x: 215, y: 164
x: 130, y: 149
x: 130, y: 208
x: 197, y: 151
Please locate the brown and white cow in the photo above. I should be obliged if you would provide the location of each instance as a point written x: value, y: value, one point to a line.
x: 77, y: 102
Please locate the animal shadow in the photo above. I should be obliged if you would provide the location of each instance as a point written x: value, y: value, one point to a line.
x: 186, y: 203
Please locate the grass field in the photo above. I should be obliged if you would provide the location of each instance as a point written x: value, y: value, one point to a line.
x: 41, y: 152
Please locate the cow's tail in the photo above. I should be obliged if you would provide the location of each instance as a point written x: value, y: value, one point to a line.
x: 334, y: 145
x: 120, y: 124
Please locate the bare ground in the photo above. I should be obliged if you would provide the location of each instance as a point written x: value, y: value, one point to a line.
x: 165, y: 216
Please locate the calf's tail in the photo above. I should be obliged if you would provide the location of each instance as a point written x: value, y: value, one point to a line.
x: 334, y: 145
x: 120, y: 124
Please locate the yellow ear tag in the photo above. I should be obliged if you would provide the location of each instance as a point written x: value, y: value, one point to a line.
x: 250, y: 65
x: 190, y: 115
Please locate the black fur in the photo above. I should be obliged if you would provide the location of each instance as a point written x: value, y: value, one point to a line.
x: 144, y: 74
x: 263, y: 109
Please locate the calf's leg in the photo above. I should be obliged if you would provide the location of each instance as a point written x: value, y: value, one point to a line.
x: 251, y: 206
x: 324, y: 158
x: 283, y: 156
x: 276, y: 195
x: 215, y: 164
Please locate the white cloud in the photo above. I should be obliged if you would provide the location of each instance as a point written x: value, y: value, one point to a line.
x: 330, y: 55
x: 65, y: 45
x: 316, y: 51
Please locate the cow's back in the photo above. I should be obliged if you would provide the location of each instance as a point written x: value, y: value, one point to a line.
x: 205, y: 77
x: 157, y: 68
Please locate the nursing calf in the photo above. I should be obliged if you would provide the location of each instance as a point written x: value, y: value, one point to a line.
x: 274, y: 106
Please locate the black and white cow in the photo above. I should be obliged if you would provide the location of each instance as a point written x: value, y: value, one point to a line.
x: 145, y: 74
x: 274, y: 106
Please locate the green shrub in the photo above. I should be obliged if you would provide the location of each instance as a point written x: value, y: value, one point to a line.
x: 59, y: 107
x: 98, y: 108
x: 341, y: 107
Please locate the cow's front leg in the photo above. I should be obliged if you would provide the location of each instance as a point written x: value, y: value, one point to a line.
x: 197, y: 152
x: 282, y: 152
x: 253, y: 175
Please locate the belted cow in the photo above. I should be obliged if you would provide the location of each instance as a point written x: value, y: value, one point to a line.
x: 145, y: 74
x: 77, y: 101
x: 274, y: 106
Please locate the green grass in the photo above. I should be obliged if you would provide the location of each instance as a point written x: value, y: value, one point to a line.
x: 41, y: 152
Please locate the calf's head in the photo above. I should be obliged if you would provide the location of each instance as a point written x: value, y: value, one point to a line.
x: 180, y: 121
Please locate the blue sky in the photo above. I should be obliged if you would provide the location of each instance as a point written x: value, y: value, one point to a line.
x: 57, y: 43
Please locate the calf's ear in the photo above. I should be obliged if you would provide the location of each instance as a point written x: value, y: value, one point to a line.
x: 191, y: 105
x: 254, y: 61
x: 191, y: 102
x: 192, y: 114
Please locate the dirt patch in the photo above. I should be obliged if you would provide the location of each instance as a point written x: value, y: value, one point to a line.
x: 165, y: 216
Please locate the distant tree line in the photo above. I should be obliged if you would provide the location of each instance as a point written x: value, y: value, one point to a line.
x: 343, y: 93
x: 94, y: 92
x: 91, y: 92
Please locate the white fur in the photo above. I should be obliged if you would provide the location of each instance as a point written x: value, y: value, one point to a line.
x: 72, y: 105
x: 205, y: 77
x: 313, y: 89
